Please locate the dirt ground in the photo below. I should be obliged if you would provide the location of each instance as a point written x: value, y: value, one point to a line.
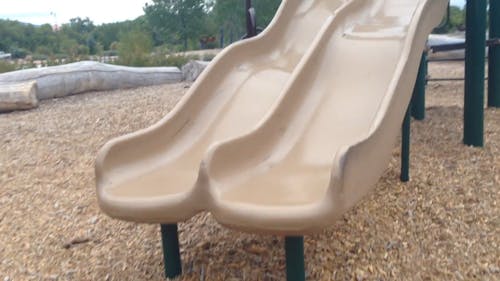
x: 442, y: 225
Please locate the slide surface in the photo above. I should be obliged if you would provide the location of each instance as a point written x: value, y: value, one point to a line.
x: 283, y: 132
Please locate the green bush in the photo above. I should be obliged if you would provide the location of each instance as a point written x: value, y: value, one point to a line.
x: 18, y: 53
x: 40, y: 57
x: 82, y: 50
x: 163, y: 59
x: 6, y: 66
x: 43, y: 50
x: 176, y: 60
x: 134, y: 49
x: 61, y: 56
x: 110, y: 53
x: 208, y: 57
x: 114, y: 46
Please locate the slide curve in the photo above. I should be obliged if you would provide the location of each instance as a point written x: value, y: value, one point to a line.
x: 283, y: 132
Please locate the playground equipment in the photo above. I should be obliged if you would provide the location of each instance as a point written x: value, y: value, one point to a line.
x: 251, y: 24
x: 251, y: 20
x: 284, y: 132
x: 475, y: 38
x: 494, y: 55
x: 475, y: 45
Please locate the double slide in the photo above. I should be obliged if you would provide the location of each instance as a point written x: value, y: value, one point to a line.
x: 283, y: 132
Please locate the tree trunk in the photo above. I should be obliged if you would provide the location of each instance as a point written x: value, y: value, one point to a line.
x: 17, y: 96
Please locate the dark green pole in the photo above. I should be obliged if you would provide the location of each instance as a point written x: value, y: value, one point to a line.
x: 426, y: 69
x: 494, y: 56
x: 251, y: 24
x: 171, y: 254
x: 294, y: 250
x: 475, y: 45
x: 418, y: 99
x: 405, y: 146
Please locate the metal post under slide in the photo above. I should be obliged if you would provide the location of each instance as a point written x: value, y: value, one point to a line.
x: 221, y: 38
x: 405, y: 146
x: 494, y: 56
x: 418, y: 99
x: 475, y: 45
x: 294, y: 250
x: 426, y: 70
x: 250, y: 18
x: 171, y: 253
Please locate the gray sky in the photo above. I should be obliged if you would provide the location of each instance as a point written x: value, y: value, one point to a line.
x: 60, y: 11
x: 99, y: 11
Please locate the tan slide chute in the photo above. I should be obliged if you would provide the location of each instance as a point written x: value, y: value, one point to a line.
x: 284, y: 132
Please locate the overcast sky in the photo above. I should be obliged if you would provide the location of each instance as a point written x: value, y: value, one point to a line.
x: 60, y: 11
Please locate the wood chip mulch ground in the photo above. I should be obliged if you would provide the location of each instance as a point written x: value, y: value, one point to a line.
x: 442, y: 225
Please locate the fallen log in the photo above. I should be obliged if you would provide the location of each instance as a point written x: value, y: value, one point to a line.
x: 79, y: 77
x: 18, y: 96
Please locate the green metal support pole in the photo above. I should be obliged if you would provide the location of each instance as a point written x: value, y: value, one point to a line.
x: 475, y: 45
x: 494, y: 56
x: 405, y: 147
x: 171, y: 253
x: 426, y: 69
x: 294, y: 249
x: 418, y: 99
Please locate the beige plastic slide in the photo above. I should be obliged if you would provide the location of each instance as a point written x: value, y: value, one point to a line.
x: 151, y: 175
x: 283, y: 133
